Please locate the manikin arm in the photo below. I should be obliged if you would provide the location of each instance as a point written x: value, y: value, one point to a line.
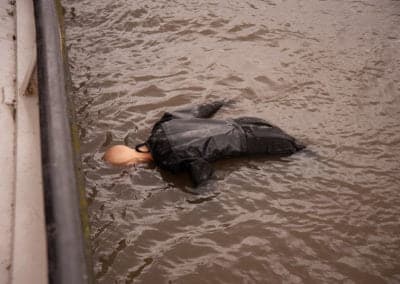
x: 205, y: 110
x: 200, y: 171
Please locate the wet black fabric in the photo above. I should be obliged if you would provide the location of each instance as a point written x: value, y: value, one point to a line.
x: 188, y: 140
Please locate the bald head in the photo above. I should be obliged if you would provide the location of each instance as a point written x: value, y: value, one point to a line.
x: 121, y: 155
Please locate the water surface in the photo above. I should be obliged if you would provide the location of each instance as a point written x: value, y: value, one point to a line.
x: 328, y: 72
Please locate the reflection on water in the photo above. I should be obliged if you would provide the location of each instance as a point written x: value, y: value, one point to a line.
x: 325, y: 71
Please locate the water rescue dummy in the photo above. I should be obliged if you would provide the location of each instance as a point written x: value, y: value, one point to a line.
x: 189, y: 140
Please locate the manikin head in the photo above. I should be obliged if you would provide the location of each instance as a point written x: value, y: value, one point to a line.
x: 121, y: 155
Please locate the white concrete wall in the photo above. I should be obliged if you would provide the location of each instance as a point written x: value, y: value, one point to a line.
x: 23, y: 252
x: 7, y: 126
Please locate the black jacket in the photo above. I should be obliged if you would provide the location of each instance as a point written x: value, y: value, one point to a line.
x: 187, y: 140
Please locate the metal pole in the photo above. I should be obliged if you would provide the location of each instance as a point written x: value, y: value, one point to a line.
x: 66, y: 246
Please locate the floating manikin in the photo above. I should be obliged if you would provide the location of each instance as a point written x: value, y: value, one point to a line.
x: 189, y: 140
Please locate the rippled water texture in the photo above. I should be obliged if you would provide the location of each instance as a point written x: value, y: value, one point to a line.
x: 325, y: 71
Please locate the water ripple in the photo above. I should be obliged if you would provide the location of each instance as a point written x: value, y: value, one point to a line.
x: 325, y: 71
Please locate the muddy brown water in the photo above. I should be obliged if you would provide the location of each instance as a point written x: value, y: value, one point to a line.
x: 328, y: 72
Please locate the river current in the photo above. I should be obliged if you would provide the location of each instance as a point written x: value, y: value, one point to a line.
x: 327, y: 72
